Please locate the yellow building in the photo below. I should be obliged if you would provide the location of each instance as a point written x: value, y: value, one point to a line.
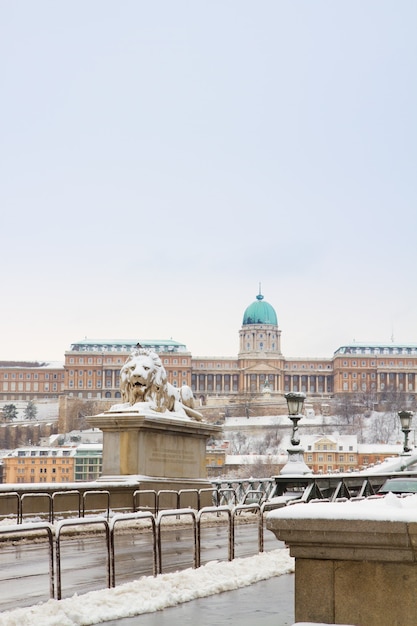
x: 53, y: 465
x: 39, y: 465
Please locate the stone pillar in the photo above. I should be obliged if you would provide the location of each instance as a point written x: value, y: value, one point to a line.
x: 350, y: 571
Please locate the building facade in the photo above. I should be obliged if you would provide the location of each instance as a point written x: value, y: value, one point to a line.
x: 44, y: 464
x: 39, y: 465
x: 24, y: 380
x: 91, y: 368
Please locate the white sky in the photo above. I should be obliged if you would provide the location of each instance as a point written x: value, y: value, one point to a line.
x: 160, y: 159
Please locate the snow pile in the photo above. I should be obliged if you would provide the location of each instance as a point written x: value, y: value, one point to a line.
x: 390, y: 508
x: 150, y: 594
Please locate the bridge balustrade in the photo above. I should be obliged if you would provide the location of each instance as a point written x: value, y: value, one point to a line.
x: 30, y: 500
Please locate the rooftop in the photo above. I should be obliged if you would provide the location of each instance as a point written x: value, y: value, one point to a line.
x: 126, y: 345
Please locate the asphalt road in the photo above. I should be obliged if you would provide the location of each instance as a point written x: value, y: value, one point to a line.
x: 267, y: 603
x: 24, y: 568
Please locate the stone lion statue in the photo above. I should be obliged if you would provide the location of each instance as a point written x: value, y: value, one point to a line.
x: 143, y: 379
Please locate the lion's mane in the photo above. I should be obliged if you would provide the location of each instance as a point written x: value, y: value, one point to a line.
x: 143, y: 379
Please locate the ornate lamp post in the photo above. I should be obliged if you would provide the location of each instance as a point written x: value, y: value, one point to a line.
x: 295, y: 463
x: 405, y: 419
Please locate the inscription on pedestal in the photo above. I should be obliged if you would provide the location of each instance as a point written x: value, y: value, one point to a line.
x: 172, y: 455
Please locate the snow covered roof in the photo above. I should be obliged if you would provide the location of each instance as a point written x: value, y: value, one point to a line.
x: 251, y: 459
x: 126, y: 345
x: 380, y: 448
x: 32, y: 364
x: 35, y: 451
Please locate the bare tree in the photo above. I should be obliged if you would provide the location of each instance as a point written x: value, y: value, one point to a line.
x: 76, y: 411
x: 393, y: 400
x: 263, y: 467
x: 238, y: 443
x: 383, y: 427
x: 347, y: 408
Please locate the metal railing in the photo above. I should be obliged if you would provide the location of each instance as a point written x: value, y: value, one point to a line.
x: 242, y: 486
x: 13, y: 495
x: 82, y: 526
x: 24, y: 531
x: 178, y: 512
x: 80, y: 522
x: 230, y: 498
x: 50, y: 509
x: 117, y: 519
x: 176, y: 497
x: 88, y: 499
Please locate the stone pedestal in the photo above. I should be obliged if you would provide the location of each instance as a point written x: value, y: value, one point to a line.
x: 162, y: 452
x: 350, y: 571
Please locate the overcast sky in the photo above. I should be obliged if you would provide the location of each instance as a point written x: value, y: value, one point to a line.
x: 161, y: 159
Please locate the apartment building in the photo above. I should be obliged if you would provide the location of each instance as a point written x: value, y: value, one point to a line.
x: 39, y: 465
x: 53, y: 464
x: 329, y: 454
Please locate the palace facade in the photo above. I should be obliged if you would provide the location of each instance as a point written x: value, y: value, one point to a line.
x: 91, y: 368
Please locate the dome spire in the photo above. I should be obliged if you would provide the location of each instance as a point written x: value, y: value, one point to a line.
x: 259, y: 296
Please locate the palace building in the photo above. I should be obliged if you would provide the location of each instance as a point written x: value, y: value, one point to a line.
x: 91, y: 368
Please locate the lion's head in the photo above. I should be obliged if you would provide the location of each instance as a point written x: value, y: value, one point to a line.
x: 142, y: 377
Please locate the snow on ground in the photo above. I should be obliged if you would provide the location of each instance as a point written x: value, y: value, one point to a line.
x: 150, y: 594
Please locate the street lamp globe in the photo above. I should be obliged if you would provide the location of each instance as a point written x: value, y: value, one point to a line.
x: 295, y: 463
x: 295, y: 402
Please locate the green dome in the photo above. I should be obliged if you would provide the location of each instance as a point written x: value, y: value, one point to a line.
x: 260, y: 312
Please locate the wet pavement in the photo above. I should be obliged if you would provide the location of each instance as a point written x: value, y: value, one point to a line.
x: 267, y: 603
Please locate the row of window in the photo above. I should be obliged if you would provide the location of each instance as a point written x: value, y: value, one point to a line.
x: 330, y: 458
x: 43, y: 461
x: 303, y: 366
x: 80, y: 360
x: 43, y: 470
x: 32, y: 376
x: 377, y: 350
x: 382, y: 387
x: 108, y: 373
x: 218, y: 365
x: 391, y: 376
x: 44, y: 479
x: 42, y: 452
x: 31, y: 386
x: 324, y: 447
x: 380, y: 364
x: 112, y: 347
x: 261, y: 346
